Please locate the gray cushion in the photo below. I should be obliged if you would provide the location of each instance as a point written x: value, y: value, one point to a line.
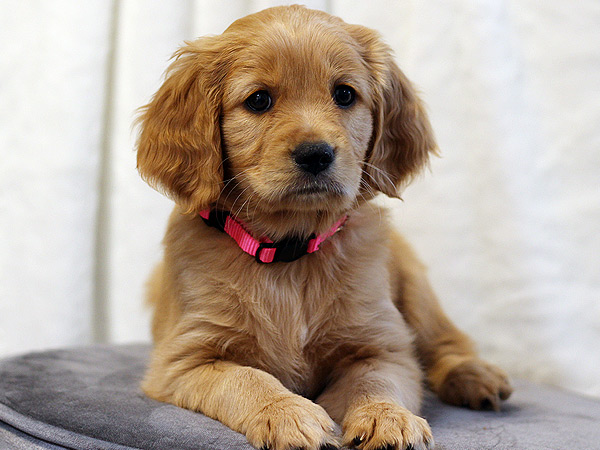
x: 89, y: 398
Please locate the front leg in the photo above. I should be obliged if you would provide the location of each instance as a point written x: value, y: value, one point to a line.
x: 247, y: 400
x: 454, y: 370
x: 374, y: 399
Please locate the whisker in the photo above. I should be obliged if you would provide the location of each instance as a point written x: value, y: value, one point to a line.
x: 246, y: 202
x: 234, y: 178
x: 235, y: 187
x: 237, y: 198
x: 371, y: 205
x: 381, y: 172
x: 223, y: 162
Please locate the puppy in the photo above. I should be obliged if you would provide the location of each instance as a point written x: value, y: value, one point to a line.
x: 285, y: 303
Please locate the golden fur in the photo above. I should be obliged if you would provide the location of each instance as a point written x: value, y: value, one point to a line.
x: 282, y: 352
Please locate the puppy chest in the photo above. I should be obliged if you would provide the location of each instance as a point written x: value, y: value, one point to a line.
x: 281, y: 340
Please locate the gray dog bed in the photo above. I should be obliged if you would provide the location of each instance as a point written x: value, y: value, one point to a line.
x: 89, y: 398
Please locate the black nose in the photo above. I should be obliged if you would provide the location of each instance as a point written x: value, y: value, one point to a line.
x: 313, y: 157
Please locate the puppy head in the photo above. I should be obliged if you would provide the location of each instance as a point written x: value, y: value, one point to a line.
x: 289, y: 110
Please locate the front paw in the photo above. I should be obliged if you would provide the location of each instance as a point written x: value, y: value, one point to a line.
x: 292, y: 423
x: 476, y: 384
x: 386, y: 426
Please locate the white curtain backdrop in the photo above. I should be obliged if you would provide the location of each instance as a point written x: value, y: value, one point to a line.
x: 507, y: 220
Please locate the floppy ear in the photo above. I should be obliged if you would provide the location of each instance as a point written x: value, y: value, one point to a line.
x: 179, y: 146
x: 402, y: 136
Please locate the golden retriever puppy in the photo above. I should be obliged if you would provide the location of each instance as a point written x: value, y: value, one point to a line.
x: 285, y: 306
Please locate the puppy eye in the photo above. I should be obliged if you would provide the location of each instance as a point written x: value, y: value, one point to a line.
x: 344, y: 96
x: 260, y: 101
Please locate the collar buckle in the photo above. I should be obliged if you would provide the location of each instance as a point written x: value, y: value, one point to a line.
x: 286, y: 250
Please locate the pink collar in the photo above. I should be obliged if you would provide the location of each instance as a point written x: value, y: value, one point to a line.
x: 265, y: 250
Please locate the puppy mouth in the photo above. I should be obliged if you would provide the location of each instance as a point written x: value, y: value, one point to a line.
x: 316, y: 189
x: 309, y: 190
